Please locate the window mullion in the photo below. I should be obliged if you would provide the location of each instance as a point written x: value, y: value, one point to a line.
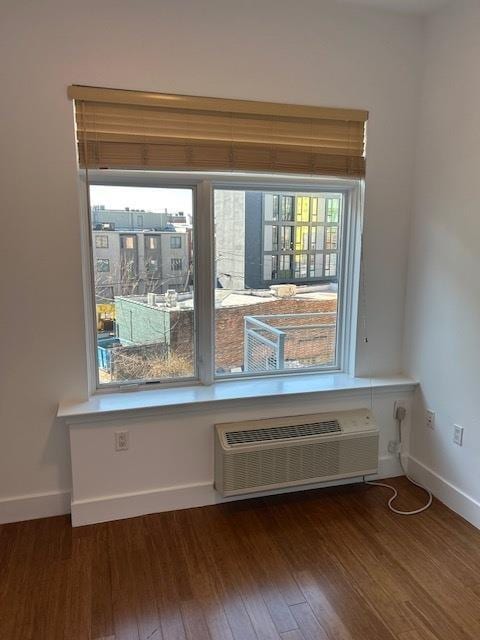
x: 204, y: 282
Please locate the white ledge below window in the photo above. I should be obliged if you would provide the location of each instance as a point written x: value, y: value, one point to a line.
x: 112, y: 405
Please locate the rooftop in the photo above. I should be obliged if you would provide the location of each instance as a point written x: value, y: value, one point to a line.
x: 225, y: 298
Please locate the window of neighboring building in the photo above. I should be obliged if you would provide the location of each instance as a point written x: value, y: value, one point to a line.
x: 152, y: 264
x: 152, y: 242
x: 128, y: 242
x: 101, y: 242
x: 103, y: 265
x: 175, y: 242
x: 176, y: 264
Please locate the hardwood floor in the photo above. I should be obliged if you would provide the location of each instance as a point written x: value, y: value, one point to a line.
x: 332, y: 564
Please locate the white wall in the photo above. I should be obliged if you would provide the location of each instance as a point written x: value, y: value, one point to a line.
x: 169, y: 463
x: 442, y: 343
x: 307, y: 51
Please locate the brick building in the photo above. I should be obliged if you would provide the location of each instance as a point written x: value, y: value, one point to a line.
x: 307, y: 342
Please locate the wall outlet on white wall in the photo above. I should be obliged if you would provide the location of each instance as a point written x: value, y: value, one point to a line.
x: 121, y: 441
x: 458, y: 434
x: 394, y: 447
x: 430, y: 419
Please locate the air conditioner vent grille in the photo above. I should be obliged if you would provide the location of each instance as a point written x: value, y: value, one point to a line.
x: 282, y: 433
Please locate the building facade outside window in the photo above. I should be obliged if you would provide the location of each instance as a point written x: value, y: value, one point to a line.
x: 297, y: 231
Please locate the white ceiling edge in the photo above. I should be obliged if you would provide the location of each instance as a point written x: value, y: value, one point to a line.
x: 418, y: 7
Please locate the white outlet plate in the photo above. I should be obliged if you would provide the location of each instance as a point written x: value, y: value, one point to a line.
x: 458, y: 434
x: 394, y: 447
x: 121, y: 441
x: 430, y: 419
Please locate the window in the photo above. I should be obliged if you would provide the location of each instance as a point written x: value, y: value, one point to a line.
x: 276, y: 258
x: 143, y: 333
x: 128, y: 242
x: 152, y: 265
x: 101, y: 242
x: 103, y: 265
x: 176, y: 264
x: 278, y: 308
x: 331, y: 264
x: 270, y: 265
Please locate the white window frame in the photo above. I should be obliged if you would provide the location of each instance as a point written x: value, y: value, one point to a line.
x: 203, y: 186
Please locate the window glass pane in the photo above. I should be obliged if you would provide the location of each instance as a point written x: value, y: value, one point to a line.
x: 316, y: 238
x: 331, y: 264
x: 318, y: 260
x: 101, y: 240
x: 267, y: 267
x: 285, y: 268
x: 287, y: 241
x: 103, y: 265
x: 272, y: 293
x: 301, y: 238
x: 315, y: 265
x: 268, y: 206
x: 176, y: 264
x: 144, y: 300
x: 331, y: 237
x: 286, y: 212
x: 152, y: 265
x: 301, y: 265
x: 270, y: 238
x: 276, y: 205
x: 333, y: 209
x: 320, y: 209
x: 274, y: 267
x: 303, y: 208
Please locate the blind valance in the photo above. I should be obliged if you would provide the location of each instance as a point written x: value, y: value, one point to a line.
x: 119, y: 129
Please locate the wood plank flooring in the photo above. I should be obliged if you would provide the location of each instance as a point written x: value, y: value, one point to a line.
x: 332, y: 564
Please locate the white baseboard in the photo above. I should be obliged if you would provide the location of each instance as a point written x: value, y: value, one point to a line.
x: 389, y: 467
x: 116, y: 507
x: 129, y: 505
x: 445, y: 491
x: 33, y: 506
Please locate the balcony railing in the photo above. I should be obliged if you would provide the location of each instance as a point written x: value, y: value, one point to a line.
x: 283, y: 341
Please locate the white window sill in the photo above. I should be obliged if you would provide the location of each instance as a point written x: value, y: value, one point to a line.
x: 111, y: 405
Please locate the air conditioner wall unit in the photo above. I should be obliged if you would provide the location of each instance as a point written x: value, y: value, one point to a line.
x: 259, y: 455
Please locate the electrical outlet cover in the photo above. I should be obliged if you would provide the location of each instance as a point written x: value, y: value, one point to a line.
x: 392, y: 446
x: 121, y: 441
x: 458, y: 434
x: 430, y: 419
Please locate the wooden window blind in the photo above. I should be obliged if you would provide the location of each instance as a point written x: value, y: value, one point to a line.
x: 119, y: 129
